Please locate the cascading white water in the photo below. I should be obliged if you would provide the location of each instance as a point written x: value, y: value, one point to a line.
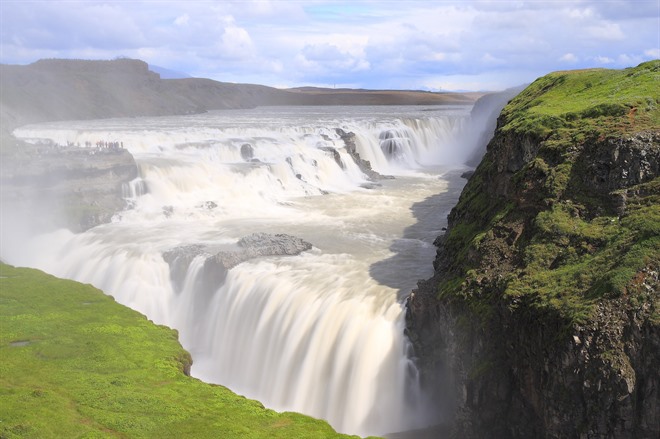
x: 319, y: 333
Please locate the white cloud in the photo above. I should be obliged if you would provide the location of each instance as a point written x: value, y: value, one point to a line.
x: 568, y: 57
x: 652, y: 53
x: 389, y: 44
x: 490, y: 59
x: 276, y: 66
x: 606, y: 31
x: 182, y: 20
x: 580, y: 14
x: 628, y: 60
x: 327, y: 60
x: 603, y: 59
x: 447, y: 57
x: 236, y: 43
x: 437, y: 56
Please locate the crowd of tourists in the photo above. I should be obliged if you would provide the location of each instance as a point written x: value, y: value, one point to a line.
x: 49, y: 147
x: 102, y: 144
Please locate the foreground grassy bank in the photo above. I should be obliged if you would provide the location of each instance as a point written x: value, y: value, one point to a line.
x: 74, y: 363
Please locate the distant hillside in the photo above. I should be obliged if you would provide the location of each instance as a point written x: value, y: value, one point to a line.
x: 345, y: 96
x: 56, y: 89
x: 167, y: 73
x: 75, y: 89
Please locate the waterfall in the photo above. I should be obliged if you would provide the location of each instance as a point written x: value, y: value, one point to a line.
x: 133, y: 189
x: 317, y: 332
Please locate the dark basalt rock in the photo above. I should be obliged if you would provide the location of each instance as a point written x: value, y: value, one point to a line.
x: 335, y: 155
x: 247, y: 152
x: 364, y: 165
x: 208, y: 205
x: 619, y: 163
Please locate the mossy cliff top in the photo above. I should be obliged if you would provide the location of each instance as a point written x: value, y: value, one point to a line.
x: 77, y: 364
x: 621, y: 101
x: 564, y: 209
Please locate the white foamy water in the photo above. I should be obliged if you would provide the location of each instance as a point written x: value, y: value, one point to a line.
x: 319, y: 333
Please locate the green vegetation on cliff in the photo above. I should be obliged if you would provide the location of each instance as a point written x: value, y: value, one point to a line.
x: 564, y: 209
x: 571, y: 100
x: 77, y: 364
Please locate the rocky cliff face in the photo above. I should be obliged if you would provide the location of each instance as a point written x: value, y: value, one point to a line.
x: 542, y: 319
x: 50, y: 187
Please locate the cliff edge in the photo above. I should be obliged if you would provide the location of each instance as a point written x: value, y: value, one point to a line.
x: 542, y: 318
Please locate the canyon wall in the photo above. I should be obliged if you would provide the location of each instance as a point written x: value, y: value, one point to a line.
x: 542, y: 317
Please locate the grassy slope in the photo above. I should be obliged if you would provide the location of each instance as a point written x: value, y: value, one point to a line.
x: 77, y: 364
x: 615, y: 101
x: 573, y: 252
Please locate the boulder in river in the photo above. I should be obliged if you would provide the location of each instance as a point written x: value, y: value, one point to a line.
x: 217, y: 263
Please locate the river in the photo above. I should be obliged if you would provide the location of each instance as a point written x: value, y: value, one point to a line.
x: 320, y: 332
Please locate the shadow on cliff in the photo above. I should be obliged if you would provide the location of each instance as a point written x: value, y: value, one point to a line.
x: 431, y: 215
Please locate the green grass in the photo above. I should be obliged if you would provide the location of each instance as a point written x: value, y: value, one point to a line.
x: 75, y: 364
x: 569, y: 262
x: 555, y: 100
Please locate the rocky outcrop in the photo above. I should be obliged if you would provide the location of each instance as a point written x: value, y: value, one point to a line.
x: 616, y: 164
x: 524, y: 374
x: 77, y: 188
x: 247, y: 152
x: 216, y: 263
x: 543, y: 316
x: 365, y: 166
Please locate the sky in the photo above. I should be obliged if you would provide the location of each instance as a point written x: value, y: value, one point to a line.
x: 387, y: 44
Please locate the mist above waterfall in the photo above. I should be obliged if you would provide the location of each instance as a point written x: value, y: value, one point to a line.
x: 319, y: 332
x: 483, y: 121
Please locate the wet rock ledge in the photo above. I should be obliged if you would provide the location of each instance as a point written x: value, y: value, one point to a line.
x: 51, y: 186
x: 216, y: 263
